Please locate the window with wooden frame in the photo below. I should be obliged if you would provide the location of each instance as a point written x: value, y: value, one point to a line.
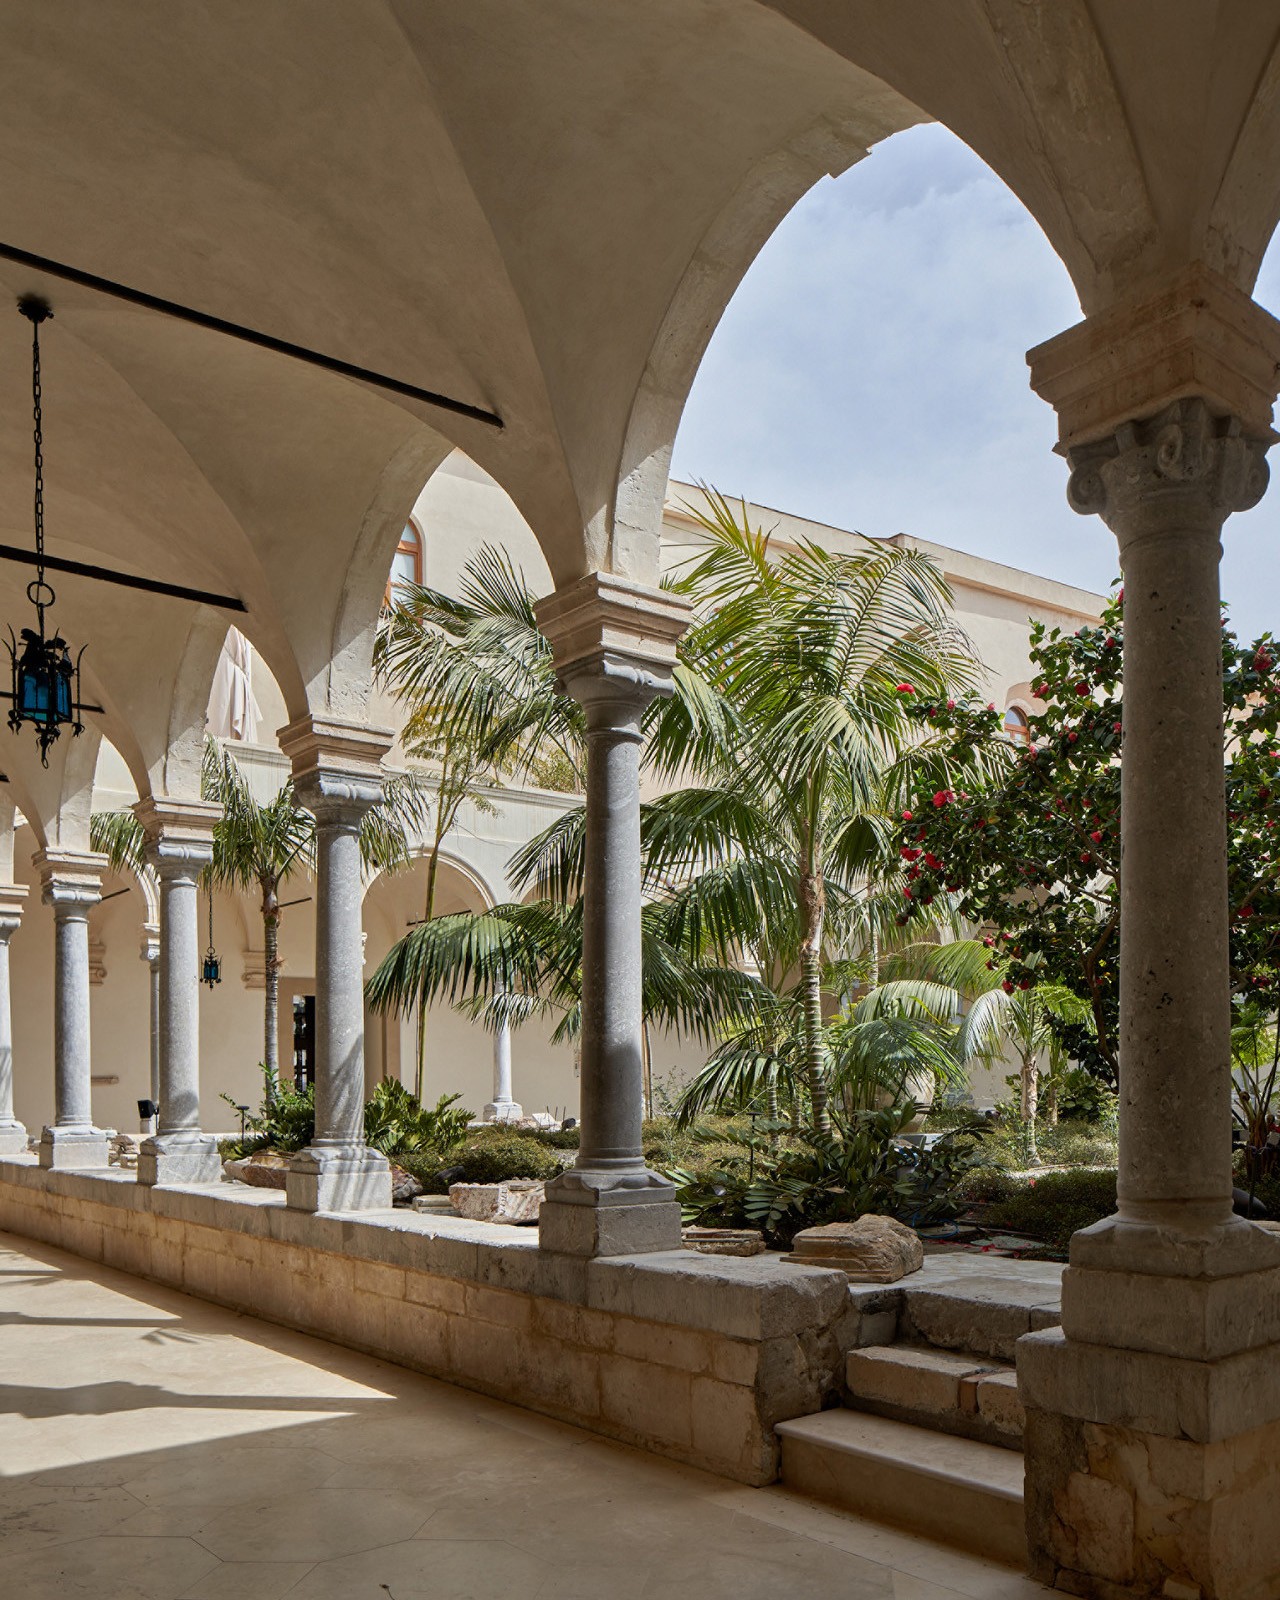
x: 406, y: 564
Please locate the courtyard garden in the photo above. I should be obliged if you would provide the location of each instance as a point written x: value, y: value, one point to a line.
x: 859, y: 892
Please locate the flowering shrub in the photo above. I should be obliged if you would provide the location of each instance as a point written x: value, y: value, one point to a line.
x: 1032, y: 853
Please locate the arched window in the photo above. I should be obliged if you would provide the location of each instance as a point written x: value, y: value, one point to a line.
x: 1016, y: 728
x: 406, y: 564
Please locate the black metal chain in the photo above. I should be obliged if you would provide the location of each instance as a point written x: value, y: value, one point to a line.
x: 40, y: 592
x: 37, y: 414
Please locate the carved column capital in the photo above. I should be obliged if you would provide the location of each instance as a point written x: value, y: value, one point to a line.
x: 1183, y: 470
x: 179, y: 834
x: 13, y: 898
x: 70, y: 880
x: 337, y: 767
x: 614, y: 643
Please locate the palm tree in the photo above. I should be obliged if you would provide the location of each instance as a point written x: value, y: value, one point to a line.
x: 524, y: 959
x: 789, y: 728
x: 1005, y: 1016
x: 258, y: 846
x: 477, y: 680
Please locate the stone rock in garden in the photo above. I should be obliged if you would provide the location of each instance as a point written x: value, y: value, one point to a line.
x: 265, y: 1169
x: 871, y: 1250
x: 516, y: 1200
x: 724, y: 1241
x: 404, y: 1186
x: 123, y: 1151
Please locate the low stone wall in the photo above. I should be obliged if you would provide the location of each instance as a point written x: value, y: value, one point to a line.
x: 690, y: 1356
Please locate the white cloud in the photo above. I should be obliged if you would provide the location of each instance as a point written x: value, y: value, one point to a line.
x: 871, y: 372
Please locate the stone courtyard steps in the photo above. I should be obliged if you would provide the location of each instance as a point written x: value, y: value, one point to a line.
x: 930, y: 1435
x: 960, y: 1491
x: 972, y: 1396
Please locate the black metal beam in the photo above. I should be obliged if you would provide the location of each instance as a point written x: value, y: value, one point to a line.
x: 235, y: 330
x: 126, y: 580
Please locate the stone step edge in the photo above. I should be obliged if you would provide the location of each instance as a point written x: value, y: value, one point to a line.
x: 954, y: 1491
x: 940, y: 1457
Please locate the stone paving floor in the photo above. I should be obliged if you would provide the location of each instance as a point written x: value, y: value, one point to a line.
x: 154, y: 1447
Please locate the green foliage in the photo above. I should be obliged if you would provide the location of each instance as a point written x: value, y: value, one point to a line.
x: 815, y: 1179
x: 285, y: 1121
x: 1082, y: 1097
x: 398, y: 1124
x: 1068, y: 1143
x: 488, y: 1155
x: 1053, y: 1206
x: 1031, y: 850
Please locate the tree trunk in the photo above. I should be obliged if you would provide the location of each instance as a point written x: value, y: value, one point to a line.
x: 271, y: 1004
x: 1028, y: 1108
x: 812, y: 911
x: 429, y: 911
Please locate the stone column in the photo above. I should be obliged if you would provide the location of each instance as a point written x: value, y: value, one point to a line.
x: 614, y: 644
x: 338, y: 777
x: 179, y: 848
x: 1153, y: 1414
x: 150, y: 953
x: 13, y: 1136
x: 502, y: 1108
x: 71, y: 882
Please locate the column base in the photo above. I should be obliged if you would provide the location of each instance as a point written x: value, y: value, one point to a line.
x: 72, y: 1148
x: 338, y: 1178
x: 13, y: 1138
x: 188, y: 1157
x: 609, y: 1214
x: 1148, y: 1474
x: 502, y: 1111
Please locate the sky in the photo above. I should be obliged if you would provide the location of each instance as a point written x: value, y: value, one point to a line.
x: 871, y: 372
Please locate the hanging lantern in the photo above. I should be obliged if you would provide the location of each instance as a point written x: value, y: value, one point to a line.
x: 46, y: 682
x: 211, y: 971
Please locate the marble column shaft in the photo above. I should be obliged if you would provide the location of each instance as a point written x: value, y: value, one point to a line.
x: 338, y: 778
x: 179, y: 848
x: 71, y: 883
x: 13, y: 1135
x: 615, y: 649
x: 503, y: 1107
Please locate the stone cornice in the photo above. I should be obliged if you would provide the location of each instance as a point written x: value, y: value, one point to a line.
x: 1198, y: 336
x: 611, y: 628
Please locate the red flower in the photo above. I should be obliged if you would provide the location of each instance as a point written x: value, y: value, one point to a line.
x: 988, y: 941
x: 906, y: 816
x: 1007, y: 986
x: 1247, y: 911
x: 1116, y: 727
x: 944, y: 797
x: 907, y: 853
x: 951, y: 705
x: 905, y: 688
x: 1082, y: 687
x: 1024, y: 983
x: 1085, y: 857
x: 1119, y: 597
x: 1072, y: 737
x: 930, y: 860
x: 907, y: 891
x: 1096, y: 836
x: 1040, y: 690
